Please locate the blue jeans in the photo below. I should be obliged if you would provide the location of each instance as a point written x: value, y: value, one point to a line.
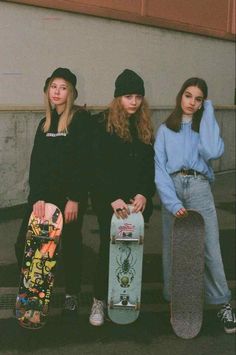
x: 195, y: 193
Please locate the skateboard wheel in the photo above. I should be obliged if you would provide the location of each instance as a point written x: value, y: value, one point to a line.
x: 113, y: 239
x: 29, y: 234
x: 124, y: 302
x: 137, y: 306
x: 56, y: 241
x: 141, y: 239
x: 110, y: 305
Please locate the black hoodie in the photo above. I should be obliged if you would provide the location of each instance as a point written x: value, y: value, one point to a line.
x: 121, y: 169
x: 59, y: 161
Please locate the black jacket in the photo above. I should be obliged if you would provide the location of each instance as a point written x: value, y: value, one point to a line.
x: 59, y: 164
x: 121, y: 169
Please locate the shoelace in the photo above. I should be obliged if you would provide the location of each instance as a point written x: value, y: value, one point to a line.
x: 97, y: 307
x: 226, y: 314
x: 70, y: 303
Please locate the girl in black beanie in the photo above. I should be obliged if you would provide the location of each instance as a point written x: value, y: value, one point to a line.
x: 123, y: 169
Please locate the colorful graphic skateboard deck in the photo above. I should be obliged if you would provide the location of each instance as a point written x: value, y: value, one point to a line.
x: 37, y: 273
x: 187, y: 275
x: 125, y: 268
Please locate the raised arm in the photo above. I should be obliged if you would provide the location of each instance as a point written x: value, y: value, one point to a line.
x: 211, y: 145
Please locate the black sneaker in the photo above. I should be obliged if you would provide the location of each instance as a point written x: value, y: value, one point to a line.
x: 70, y: 308
x: 227, y: 317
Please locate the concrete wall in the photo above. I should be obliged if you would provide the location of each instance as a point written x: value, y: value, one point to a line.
x: 34, y: 41
x: 17, y: 130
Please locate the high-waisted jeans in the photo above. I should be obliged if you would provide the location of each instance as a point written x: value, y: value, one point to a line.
x: 195, y: 193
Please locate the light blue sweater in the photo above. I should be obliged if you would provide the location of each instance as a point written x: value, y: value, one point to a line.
x: 186, y: 149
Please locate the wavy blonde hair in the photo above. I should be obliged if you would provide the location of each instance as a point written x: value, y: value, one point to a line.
x: 118, y: 122
x: 66, y: 116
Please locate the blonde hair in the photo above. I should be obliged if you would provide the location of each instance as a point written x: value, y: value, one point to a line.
x: 118, y: 121
x: 66, y: 116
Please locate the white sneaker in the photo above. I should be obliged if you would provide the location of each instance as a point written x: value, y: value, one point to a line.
x: 97, y: 312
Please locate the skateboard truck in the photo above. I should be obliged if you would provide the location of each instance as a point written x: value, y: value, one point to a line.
x: 54, y: 239
x: 138, y: 240
x: 124, y: 302
x: 30, y: 235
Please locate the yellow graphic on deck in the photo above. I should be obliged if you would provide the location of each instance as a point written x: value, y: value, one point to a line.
x: 39, y: 268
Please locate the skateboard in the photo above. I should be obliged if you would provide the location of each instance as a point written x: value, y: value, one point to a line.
x: 37, y: 272
x: 125, y: 268
x: 187, y: 275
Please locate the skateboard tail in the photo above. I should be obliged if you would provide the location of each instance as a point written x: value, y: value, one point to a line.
x: 187, y: 329
x: 124, y: 317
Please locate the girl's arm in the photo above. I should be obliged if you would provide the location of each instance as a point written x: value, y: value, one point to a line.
x: 36, y: 172
x: 163, y: 180
x: 211, y: 145
x: 80, y: 164
x: 101, y: 174
x: 146, y: 180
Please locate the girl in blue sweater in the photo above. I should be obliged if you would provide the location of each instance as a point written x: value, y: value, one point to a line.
x: 185, y: 145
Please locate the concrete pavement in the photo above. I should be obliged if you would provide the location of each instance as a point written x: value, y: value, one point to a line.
x: 152, y: 332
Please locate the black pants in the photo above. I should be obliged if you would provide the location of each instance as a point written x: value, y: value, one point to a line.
x: 71, y: 248
x: 102, y: 266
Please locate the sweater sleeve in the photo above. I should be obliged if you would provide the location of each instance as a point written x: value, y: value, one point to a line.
x: 80, y: 164
x: 211, y: 145
x: 146, y: 184
x: 36, y: 172
x: 163, y: 180
x: 101, y: 175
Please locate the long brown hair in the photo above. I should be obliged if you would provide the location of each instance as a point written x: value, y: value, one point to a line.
x: 118, y: 121
x: 173, y: 122
x: 66, y: 116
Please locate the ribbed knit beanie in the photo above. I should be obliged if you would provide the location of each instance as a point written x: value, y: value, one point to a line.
x: 128, y: 82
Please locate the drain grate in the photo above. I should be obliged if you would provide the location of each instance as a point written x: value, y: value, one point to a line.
x: 151, y: 296
x: 7, y: 300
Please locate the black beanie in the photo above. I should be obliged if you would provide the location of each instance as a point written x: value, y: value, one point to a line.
x: 65, y: 74
x: 128, y: 82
